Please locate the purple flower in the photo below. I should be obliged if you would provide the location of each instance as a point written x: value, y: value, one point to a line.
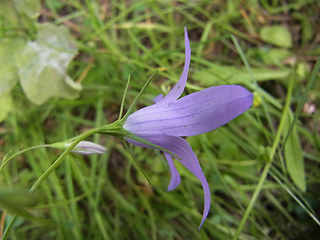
x: 87, y: 148
x: 170, y: 118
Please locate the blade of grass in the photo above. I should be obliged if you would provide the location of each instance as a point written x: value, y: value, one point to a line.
x: 271, y: 157
x: 303, y: 98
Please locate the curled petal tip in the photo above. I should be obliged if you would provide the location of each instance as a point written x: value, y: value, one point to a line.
x: 175, y: 177
x: 158, y: 98
x: 183, y: 150
x: 172, y: 185
x: 177, y: 90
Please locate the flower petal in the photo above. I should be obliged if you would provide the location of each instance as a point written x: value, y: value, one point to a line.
x: 193, y: 114
x: 182, y: 149
x: 175, y: 177
x: 177, y: 90
x: 87, y: 148
x: 158, y: 98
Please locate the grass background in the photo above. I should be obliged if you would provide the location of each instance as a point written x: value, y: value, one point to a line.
x: 105, y: 197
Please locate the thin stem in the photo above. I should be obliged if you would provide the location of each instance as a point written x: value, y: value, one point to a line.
x: 7, y: 231
x: 242, y: 55
x: 304, y: 98
x: 124, y: 97
x: 50, y: 170
x: 296, y: 199
x: 138, y: 97
x: 268, y: 165
x: 61, y: 158
x: 7, y: 160
x: 136, y: 163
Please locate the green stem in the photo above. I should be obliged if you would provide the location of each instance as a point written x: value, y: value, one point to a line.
x: 136, y: 162
x: 106, y: 128
x: 124, y: 97
x: 268, y: 165
x: 7, y: 231
x: 137, y: 98
x: 61, y: 158
x: 304, y: 98
x: 243, y: 57
x: 7, y: 160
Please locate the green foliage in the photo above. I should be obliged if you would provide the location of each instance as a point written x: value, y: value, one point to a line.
x: 17, y: 201
x: 218, y: 75
x: 9, y: 49
x: 293, y: 155
x: 277, y: 35
x: 42, y: 65
x: 6, y: 105
x: 20, y: 11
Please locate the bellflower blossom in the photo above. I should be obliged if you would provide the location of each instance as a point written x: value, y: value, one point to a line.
x: 83, y: 147
x: 88, y: 148
x: 169, y: 119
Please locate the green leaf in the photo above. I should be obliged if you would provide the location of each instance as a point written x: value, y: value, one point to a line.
x: 219, y: 74
x: 31, y: 8
x: 276, y: 56
x: 20, y: 11
x: 7, y: 10
x: 9, y: 48
x: 306, y: 27
x: 43, y: 64
x: 277, y: 35
x: 18, y: 201
x: 6, y: 105
x: 293, y: 155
